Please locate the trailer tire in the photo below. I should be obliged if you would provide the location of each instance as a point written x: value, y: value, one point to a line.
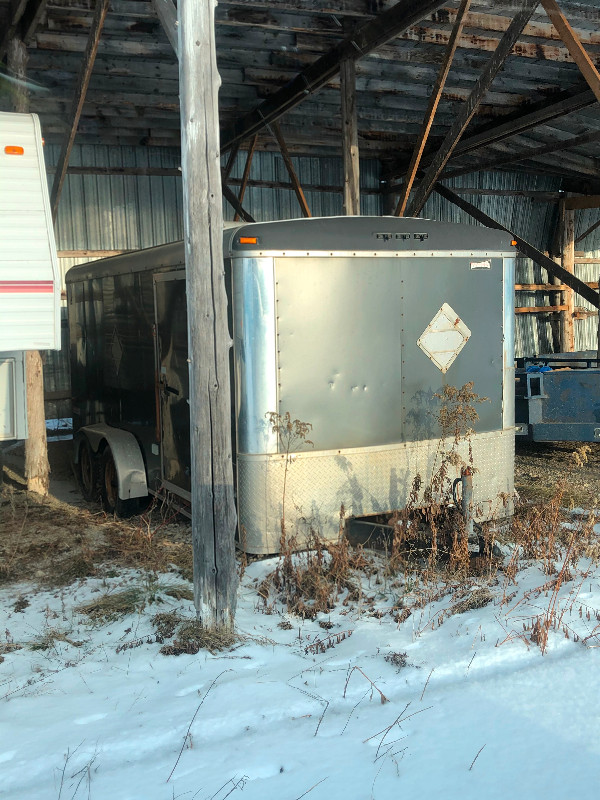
x: 87, y: 471
x: 109, y: 489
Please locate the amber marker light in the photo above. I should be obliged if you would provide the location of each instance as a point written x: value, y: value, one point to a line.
x: 13, y: 150
x: 248, y: 240
x: 514, y: 242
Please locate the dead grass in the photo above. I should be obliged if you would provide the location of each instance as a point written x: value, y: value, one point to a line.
x: 479, y: 598
x: 55, y: 545
x: 114, y: 605
x: 49, y: 637
x: 191, y: 637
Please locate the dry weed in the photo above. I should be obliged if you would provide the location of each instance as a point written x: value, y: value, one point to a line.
x: 310, y: 582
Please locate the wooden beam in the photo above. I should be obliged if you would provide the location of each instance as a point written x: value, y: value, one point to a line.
x: 469, y: 108
x: 527, y: 249
x: 547, y: 287
x: 350, y: 151
x: 167, y: 14
x: 591, y: 201
x: 574, y: 46
x: 246, y: 174
x: 230, y: 162
x: 78, y: 101
x: 287, y: 160
x: 538, y: 309
x: 434, y: 100
x: 30, y: 21
x: 567, y: 330
x: 213, y: 507
x: 521, y: 122
x: 525, y: 121
x: 367, y: 37
x: 233, y: 201
x: 509, y: 158
x: 10, y: 35
x: 587, y: 233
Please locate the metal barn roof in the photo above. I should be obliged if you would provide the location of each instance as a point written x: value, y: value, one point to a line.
x: 539, y: 114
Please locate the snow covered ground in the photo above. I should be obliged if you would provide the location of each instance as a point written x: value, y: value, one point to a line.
x: 464, y: 706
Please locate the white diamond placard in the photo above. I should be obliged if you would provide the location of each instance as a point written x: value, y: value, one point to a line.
x: 444, y: 337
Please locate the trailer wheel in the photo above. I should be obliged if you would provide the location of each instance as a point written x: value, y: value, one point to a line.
x: 109, y: 489
x: 87, y: 471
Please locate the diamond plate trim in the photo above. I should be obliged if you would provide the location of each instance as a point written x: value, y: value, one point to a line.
x: 366, y: 480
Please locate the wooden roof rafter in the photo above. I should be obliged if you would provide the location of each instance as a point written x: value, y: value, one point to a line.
x: 362, y: 41
x: 468, y: 110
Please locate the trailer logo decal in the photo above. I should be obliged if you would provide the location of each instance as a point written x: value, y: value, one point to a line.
x: 444, y: 338
x: 481, y: 264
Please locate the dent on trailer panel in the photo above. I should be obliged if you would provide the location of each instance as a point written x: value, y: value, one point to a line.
x: 339, y: 348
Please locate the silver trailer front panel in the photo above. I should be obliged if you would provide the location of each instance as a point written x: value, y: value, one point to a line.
x: 334, y: 340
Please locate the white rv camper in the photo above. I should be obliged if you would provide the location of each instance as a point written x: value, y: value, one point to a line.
x: 29, y: 274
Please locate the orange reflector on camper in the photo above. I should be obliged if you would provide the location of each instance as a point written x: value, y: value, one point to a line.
x: 13, y: 150
x: 514, y: 242
x: 248, y: 240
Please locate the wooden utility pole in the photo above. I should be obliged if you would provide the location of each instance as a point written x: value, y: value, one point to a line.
x: 567, y: 329
x: 213, y: 509
x: 350, y: 138
x: 37, y: 467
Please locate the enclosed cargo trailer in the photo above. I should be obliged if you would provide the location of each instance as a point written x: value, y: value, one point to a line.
x: 29, y: 275
x: 351, y: 324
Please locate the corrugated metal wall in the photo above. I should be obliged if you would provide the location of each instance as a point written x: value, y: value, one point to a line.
x: 128, y: 212
x: 528, y: 218
x: 121, y: 212
x: 586, y: 330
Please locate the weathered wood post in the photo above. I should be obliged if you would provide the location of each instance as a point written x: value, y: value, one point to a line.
x: 598, y: 333
x: 213, y: 509
x: 567, y: 328
x: 37, y: 467
x: 350, y: 138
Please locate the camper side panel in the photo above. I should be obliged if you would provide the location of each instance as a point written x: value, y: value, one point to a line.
x: 29, y: 275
